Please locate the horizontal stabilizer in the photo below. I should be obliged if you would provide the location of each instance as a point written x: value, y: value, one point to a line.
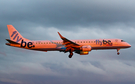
x: 10, y: 41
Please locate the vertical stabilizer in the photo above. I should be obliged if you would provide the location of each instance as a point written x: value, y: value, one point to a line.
x: 14, y: 34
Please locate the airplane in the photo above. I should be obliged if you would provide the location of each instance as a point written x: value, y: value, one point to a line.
x: 82, y: 47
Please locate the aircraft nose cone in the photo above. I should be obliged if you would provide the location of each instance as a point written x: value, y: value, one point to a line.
x: 129, y: 45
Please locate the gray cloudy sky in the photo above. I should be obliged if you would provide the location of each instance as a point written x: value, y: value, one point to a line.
x: 74, y: 19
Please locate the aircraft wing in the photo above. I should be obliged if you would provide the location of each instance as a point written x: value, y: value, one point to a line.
x: 69, y: 43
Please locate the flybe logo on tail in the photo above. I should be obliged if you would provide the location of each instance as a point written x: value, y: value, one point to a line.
x: 15, y: 36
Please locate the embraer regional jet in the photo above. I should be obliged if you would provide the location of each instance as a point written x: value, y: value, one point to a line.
x: 82, y: 47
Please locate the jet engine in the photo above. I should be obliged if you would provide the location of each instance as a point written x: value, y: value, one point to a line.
x: 84, y: 50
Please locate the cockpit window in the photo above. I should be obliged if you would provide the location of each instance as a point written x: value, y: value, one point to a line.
x: 122, y: 41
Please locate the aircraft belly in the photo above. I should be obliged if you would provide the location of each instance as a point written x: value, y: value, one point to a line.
x: 108, y: 47
x: 45, y: 46
x: 46, y: 49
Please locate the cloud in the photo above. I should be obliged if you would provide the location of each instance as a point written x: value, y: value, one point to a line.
x: 10, y: 81
x: 116, y: 71
x: 68, y: 13
x: 2, y: 53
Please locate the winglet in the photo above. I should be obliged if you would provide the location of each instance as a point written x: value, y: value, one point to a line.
x: 61, y: 36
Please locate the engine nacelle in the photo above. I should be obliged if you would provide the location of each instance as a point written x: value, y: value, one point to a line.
x: 84, y: 52
x: 86, y: 48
